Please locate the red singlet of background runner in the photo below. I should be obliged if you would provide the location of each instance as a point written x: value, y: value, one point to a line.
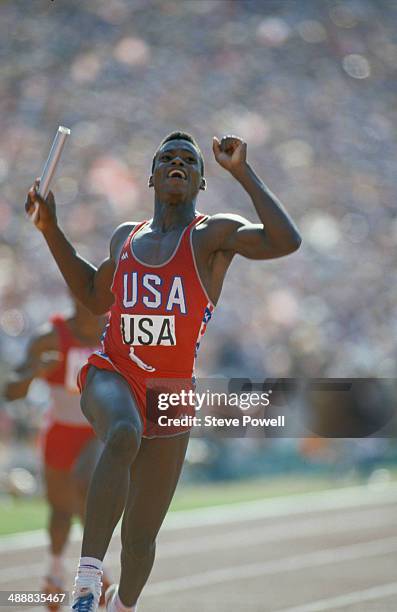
x: 66, y: 432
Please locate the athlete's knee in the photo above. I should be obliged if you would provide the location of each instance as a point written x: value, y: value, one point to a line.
x: 60, y: 502
x: 60, y: 514
x: 142, y: 548
x: 81, y: 488
x: 124, y: 439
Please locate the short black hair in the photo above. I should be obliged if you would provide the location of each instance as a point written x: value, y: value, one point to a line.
x: 181, y: 136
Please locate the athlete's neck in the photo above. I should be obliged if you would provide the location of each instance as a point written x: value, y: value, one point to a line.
x: 167, y: 217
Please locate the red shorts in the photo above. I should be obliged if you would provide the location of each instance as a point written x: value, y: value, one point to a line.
x: 156, y: 424
x: 62, y: 444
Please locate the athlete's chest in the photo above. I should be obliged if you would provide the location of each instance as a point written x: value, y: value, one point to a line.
x: 156, y: 248
x: 154, y: 303
x: 156, y: 273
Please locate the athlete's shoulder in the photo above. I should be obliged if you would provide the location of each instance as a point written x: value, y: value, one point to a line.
x: 221, y: 223
x: 119, y: 236
x: 124, y: 229
x: 226, y: 219
x: 212, y: 233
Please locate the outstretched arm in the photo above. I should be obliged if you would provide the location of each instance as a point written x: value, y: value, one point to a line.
x: 276, y: 235
x: 90, y: 285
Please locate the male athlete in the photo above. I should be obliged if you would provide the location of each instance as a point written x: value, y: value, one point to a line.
x: 160, y: 282
x: 69, y: 445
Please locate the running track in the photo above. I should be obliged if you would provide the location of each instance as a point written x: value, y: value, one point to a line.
x: 333, y: 550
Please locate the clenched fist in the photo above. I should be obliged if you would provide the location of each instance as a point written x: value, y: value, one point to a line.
x: 230, y: 153
x: 42, y: 212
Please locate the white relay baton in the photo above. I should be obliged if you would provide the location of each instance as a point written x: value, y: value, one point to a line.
x: 51, y: 164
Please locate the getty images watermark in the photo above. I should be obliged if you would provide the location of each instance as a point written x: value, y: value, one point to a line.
x: 241, y: 407
x: 243, y: 402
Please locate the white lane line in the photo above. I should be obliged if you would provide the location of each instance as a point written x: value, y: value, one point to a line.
x: 278, y: 566
x: 319, y: 501
x: 299, y: 529
x: 305, y: 503
x: 333, y: 603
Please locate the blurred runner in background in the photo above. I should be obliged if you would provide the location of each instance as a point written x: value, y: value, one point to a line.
x: 69, y: 446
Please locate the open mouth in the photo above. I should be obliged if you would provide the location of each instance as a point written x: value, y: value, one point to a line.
x: 177, y: 173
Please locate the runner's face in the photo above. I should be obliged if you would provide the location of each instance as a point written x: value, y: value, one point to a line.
x: 177, y: 172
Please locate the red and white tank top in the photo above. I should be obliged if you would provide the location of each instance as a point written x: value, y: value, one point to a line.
x: 65, y: 398
x: 160, y: 311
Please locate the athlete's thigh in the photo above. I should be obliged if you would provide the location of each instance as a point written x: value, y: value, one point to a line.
x: 60, y: 489
x: 154, y: 476
x: 106, y: 399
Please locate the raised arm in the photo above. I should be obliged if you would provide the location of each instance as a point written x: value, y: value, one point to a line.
x: 276, y: 234
x: 90, y: 285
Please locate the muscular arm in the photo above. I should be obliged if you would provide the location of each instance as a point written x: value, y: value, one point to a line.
x: 276, y: 234
x: 90, y: 285
x: 40, y: 359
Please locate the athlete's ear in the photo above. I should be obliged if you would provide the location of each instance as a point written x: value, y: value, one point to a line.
x: 150, y: 183
x: 203, y: 184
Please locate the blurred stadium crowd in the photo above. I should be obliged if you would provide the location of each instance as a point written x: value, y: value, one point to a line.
x: 310, y: 85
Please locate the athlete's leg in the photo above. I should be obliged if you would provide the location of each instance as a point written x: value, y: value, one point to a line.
x: 154, y: 476
x: 108, y: 404
x: 60, y: 493
x: 60, y: 496
x: 82, y: 473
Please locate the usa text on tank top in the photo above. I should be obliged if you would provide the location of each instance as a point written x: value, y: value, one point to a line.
x: 160, y: 311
